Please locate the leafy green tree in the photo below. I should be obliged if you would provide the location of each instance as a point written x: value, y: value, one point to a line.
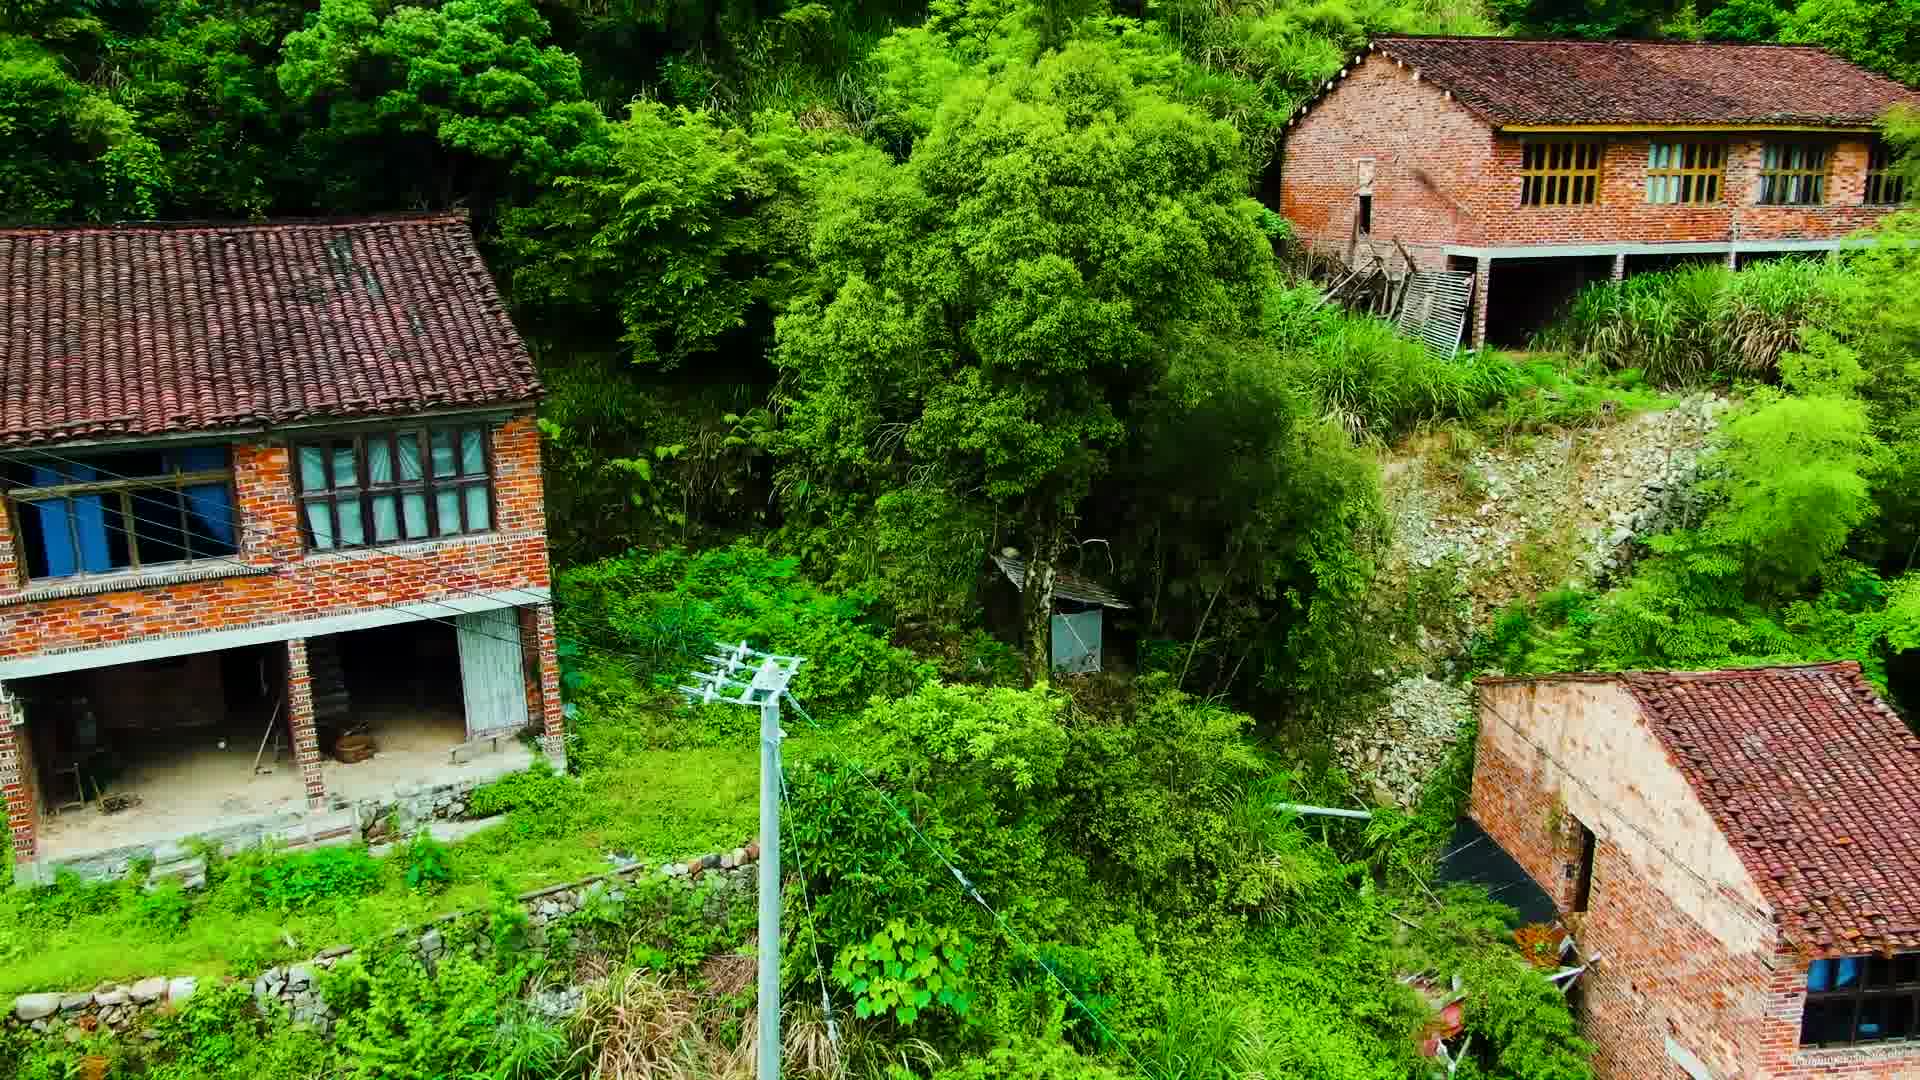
x: 1745, y: 20
x: 72, y: 152
x: 1793, y: 475
x: 201, y: 82
x: 1585, y: 18
x: 1882, y: 35
x: 696, y: 229
x: 438, y: 104
x: 996, y: 308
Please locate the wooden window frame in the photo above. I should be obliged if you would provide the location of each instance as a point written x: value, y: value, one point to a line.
x: 365, y: 490
x: 1885, y: 187
x: 121, y: 517
x: 1816, y: 175
x: 1893, y: 990
x: 1697, y: 180
x: 1545, y: 183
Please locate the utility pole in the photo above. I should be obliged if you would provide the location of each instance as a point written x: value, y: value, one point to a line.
x: 742, y: 676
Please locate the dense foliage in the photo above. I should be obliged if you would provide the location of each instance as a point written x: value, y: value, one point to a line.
x: 835, y: 300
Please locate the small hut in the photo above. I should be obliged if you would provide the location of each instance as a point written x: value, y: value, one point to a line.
x: 1079, y: 608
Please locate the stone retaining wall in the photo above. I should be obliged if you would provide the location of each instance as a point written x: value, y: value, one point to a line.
x: 295, y: 987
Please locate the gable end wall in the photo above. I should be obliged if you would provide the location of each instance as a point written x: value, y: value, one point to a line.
x: 1678, y: 957
x: 1431, y: 157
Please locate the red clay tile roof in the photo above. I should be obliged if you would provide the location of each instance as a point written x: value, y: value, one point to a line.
x: 1513, y: 81
x: 1815, y: 782
x: 153, y: 328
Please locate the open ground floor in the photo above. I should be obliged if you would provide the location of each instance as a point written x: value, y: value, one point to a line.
x: 297, y: 739
x: 1519, y: 290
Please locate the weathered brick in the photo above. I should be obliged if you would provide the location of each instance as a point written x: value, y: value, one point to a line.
x: 299, y: 586
x: 1683, y: 939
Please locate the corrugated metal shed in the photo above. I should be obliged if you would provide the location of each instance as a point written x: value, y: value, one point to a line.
x: 1065, y: 586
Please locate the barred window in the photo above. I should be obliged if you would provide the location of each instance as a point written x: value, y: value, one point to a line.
x: 392, y: 487
x: 1862, y: 999
x: 115, y: 512
x: 1885, y: 187
x: 1560, y: 173
x: 1793, y: 174
x: 1685, y: 173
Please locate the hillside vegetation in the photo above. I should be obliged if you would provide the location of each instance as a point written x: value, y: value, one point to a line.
x: 832, y: 301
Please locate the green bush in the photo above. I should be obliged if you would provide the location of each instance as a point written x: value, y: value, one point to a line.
x: 664, y: 613
x: 297, y: 881
x: 463, y: 1020
x: 1377, y: 384
x: 538, y: 800
x: 429, y: 868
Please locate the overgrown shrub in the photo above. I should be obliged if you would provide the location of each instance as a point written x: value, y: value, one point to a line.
x: 538, y: 800
x: 429, y: 868
x: 1696, y: 323
x: 1375, y: 383
x: 297, y: 881
x: 664, y: 613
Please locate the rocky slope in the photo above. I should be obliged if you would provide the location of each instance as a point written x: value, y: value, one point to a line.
x: 1477, y: 527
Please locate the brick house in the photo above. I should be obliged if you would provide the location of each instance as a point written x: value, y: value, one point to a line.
x: 1544, y: 165
x: 262, y: 488
x: 1738, y: 854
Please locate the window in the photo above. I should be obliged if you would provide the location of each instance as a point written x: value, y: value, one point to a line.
x: 132, y: 510
x: 394, y: 486
x: 1583, y: 878
x: 1364, y: 214
x: 1884, y: 186
x: 1560, y: 173
x: 1793, y: 174
x: 1685, y: 173
x: 1861, y: 999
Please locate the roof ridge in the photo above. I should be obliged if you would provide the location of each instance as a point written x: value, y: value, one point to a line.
x: 456, y: 215
x: 1504, y: 39
x: 1848, y: 666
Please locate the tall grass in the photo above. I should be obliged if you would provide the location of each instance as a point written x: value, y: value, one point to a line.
x: 1378, y: 384
x: 1695, y: 323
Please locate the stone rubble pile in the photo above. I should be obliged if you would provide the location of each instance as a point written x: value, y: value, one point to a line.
x: 111, y: 1005
x: 1600, y: 489
x: 1576, y: 503
x: 1414, y: 729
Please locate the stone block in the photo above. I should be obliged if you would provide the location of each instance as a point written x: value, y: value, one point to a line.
x: 148, y: 991
x: 31, y: 1007
x: 75, y: 1002
x: 181, y: 988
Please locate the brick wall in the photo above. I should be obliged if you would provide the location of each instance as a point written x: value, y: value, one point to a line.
x: 300, y: 726
x: 1430, y: 156
x: 1443, y: 176
x: 298, y: 587
x: 1684, y: 939
x: 538, y: 645
x: 302, y: 586
x: 18, y: 781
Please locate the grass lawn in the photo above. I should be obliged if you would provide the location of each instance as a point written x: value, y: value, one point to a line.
x: 655, y: 805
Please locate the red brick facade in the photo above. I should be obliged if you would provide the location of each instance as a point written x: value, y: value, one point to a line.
x: 18, y: 781
x: 1446, y: 183
x: 1444, y: 176
x: 1685, y: 959
x: 274, y: 581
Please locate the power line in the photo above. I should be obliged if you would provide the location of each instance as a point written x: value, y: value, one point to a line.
x: 358, y: 556
x: 813, y: 930
x: 234, y: 519
x: 1715, y: 888
x: 968, y: 888
x: 275, y: 567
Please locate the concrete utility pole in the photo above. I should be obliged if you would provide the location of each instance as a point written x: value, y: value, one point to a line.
x: 728, y: 682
